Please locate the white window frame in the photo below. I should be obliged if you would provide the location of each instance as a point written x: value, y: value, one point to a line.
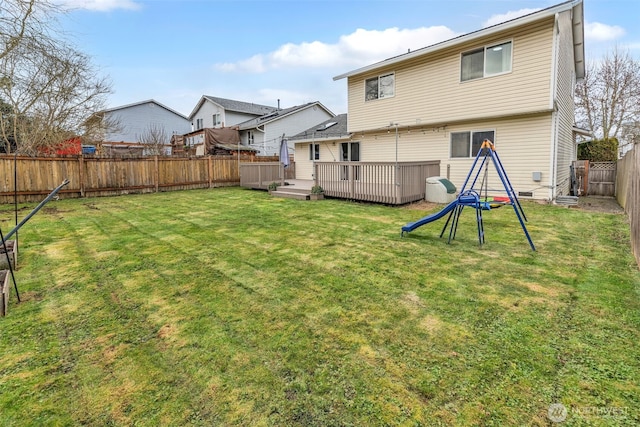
x: 250, y: 137
x: 314, y: 152
x: 380, y: 94
x: 349, y: 158
x: 484, y: 49
x: 472, y: 154
x: 216, y: 120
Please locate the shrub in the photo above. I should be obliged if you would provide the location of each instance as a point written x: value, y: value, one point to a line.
x: 599, y: 150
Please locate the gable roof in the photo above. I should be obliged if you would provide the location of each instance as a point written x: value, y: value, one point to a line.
x: 279, y: 114
x: 333, y: 128
x: 235, y: 106
x: 578, y: 38
x: 135, y: 104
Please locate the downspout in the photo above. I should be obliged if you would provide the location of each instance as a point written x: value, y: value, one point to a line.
x: 313, y: 157
x: 553, y: 106
x: 264, y: 139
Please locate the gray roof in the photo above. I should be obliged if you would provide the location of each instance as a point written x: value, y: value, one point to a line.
x: 333, y: 128
x: 241, y: 106
x: 135, y: 104
x: 277, y: 114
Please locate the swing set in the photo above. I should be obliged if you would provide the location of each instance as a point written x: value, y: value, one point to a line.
x: 469, y: 197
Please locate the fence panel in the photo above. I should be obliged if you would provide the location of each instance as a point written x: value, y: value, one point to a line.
x: 259, y: 175
x: 628, y: 194
x: 110, y: 177
x: 94, y: 176
x: 602, y: 179
x: 183, y: 174
x: 625, y: 168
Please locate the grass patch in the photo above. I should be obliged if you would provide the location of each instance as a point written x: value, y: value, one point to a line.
x: 229, y: 307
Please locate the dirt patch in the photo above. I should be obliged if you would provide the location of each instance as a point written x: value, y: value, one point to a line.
x: 421, y: 205
x: 600, y: 204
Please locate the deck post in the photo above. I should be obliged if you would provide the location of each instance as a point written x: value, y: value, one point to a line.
x: 352, y: 193
x: 315, y: 173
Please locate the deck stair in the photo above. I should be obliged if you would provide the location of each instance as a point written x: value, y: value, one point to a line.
x: 292, y: 193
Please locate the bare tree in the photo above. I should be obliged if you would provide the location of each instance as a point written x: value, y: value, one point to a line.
x: 51, y: 90
x: 155, y: 140
x: 17, y: 20
x: 47, y: 87
x: 608, y: 98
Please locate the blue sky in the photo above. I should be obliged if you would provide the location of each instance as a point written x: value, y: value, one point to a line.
x: 262, y: 51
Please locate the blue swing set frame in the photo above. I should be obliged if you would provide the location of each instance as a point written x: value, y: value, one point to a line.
x: 468, y: 197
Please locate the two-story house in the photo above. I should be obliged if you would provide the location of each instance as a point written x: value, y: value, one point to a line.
x: 127, y: 128
x: 215, y: 112
x: 266, y: 132
x: 511, y: 83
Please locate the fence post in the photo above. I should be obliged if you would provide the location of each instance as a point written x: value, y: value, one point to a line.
x: 81, y: 174
x: 157, y: 172
x: 210, y: 169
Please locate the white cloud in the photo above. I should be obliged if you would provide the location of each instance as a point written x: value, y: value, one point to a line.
x: 101, y: 5
x: 255, y: 64
x: 503, y: 17
x: 595, y: 31
x: 356, y: 49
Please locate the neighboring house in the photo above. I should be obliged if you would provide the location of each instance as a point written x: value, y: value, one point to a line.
x: 324, y: 142
x: 512, y: 83
x: 126, y: 127
x: 214, y: 112
x: 265, y: 133
x: 213, y: 141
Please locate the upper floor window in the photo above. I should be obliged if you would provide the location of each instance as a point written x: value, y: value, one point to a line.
x: 216, y: 120
x: 380, y: 87
x: 467, y: 144
x: 486, y: 61
x: 250, y: 138
x: 199, y: 124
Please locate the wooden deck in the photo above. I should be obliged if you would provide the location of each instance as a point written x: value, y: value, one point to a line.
x: 380, y: 182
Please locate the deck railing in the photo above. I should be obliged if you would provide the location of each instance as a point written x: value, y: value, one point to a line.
x: 381, y: 182
x: 260, y: 174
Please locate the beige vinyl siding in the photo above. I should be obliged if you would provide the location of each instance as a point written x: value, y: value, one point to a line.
x: 522, y: 143
x: 428, y: 90
x: 566, y: 151
x: 329, y: 152
x: 304, y: 166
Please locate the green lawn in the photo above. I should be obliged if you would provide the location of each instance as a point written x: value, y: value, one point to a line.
x: 229, y: 307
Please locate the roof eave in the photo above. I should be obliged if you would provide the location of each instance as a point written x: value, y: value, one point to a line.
x: 583, y: 132
x: 273, y: 119
x: 135, y: 104
x: 319, y: 139
x: 577, y: 19
x: 527, y: 19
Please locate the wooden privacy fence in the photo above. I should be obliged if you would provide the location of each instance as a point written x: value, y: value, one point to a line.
x: 628, y: 194
x: 381, y: 182
x: 91, y: 176
x: 595, y: 178
x: 258, y: 175
x: 602, y: 179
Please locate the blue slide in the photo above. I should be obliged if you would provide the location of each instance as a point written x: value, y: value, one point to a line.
x: 430, y: 218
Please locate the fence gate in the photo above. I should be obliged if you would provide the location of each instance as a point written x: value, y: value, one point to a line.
x: 602, y: 179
